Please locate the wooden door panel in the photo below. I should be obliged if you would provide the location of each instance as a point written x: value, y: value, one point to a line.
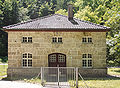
x: 57, y: 59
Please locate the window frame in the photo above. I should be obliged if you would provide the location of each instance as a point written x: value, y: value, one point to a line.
x: 24, y: 39
x: 87, y: 40
x: 54, y: 40
x: 29, y: 39
x: 89, y: 61
x: 84, y: 40
x: 57, y: 40
x: 27, y: 59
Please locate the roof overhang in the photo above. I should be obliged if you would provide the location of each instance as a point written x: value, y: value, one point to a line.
x: 58, y: 30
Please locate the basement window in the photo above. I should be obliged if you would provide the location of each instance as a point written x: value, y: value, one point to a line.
x: 27, y: 60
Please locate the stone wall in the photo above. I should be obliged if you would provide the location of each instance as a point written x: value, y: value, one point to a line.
x: 93, y: 72
x: 19, y: 73
x: 42, y: 46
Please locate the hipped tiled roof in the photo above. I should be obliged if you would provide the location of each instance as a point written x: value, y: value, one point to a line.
x: 55, y: 22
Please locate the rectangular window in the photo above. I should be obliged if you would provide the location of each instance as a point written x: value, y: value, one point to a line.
x: 54, y: 39
x: 24, y: 39
x: 84, y: 40
x: 89, y: 40
x: 87, y: 63
x: 29, y: 39
x: 27, y: 60
x: 59, y: 39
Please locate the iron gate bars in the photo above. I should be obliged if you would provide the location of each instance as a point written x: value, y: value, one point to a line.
x: 60, y: 76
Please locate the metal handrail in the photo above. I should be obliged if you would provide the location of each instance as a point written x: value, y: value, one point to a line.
x: 83, y: 80
x: 38, y: 74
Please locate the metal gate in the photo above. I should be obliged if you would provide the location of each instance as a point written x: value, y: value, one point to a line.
x: 58, y: 76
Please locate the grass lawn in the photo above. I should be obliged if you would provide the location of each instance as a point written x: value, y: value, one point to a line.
x: 114, y: 71
x: 35, y: 80
x: 101, y: 82
x: 106, y: 82
x: 3, y: 70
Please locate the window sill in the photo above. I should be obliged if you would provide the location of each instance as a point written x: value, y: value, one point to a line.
x: 57, y: 42
x: 27, y: 42
x: 87, y: 42
x: 87, y: 67
x: 27, y: 67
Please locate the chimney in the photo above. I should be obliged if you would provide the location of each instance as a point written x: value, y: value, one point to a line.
x: 70, y: 11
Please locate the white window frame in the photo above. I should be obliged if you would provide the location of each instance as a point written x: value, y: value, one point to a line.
x: 87, y: 59
x: 27, y: 39
x: 57, y: 39
x: 54, y: 39
x: 27, y: 60
x: 87, y: 37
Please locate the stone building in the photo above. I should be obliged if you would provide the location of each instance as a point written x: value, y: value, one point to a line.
x: 57, y: 40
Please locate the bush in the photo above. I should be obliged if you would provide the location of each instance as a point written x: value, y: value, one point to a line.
x: 4, y: 59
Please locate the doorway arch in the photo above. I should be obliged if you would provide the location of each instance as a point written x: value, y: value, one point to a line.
x: 57, y: 60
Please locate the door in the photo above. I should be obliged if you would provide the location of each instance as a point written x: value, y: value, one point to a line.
x: 57, y: 60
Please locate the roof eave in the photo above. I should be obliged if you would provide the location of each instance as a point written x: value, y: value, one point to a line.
x: 60, y: 29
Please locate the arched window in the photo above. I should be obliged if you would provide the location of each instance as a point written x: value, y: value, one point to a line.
x: 27, y: 60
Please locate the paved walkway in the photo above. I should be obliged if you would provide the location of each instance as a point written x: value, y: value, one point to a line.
x: 13, y: 84
x: 18, y: 84
x: 3, y: 64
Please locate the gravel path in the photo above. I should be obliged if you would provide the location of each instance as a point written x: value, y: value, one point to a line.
x: 13, y: 84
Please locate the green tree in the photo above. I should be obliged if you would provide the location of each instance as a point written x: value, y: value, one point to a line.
x: 45, y: 9
x: 1, y: 13
x: 61, y: 11
x: 15, y: 12
x: 7, y: 12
